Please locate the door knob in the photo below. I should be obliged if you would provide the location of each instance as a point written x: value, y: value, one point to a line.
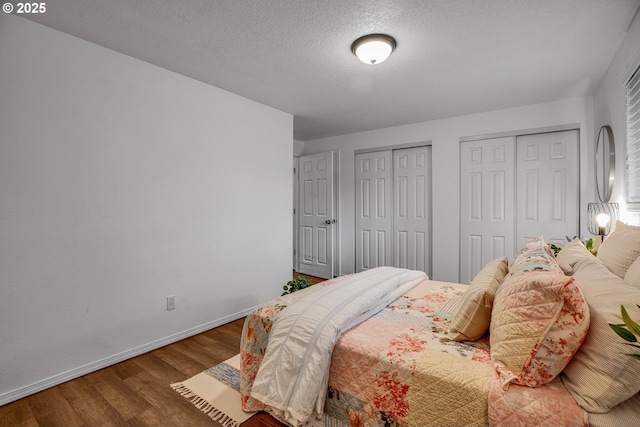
x: 330, y: 221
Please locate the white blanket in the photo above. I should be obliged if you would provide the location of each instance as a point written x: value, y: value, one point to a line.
x: 294, y: 372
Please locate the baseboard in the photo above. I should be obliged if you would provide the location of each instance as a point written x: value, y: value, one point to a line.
x: 55, y: 380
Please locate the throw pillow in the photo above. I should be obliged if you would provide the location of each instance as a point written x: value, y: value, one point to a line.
x: 534, y: 255
x: 620, y: 249
x: 600, y: 376
x: 471, y: 320
x: 633, y: 274
x: 571, y: 253
x: 539, y: 321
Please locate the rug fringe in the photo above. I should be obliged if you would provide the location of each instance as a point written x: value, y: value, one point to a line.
x: 329, y: 421
x: 204, y: 406
x: 226, y: 421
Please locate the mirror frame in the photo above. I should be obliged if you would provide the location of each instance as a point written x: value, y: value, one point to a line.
x: 605, y: 176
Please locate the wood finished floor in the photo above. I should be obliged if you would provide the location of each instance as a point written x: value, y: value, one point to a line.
x: 135, y: 392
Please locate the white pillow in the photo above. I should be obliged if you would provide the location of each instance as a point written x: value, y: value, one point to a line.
x: 620, y: 249
x: 633, y: 274
x: 571, y: 253
x: 601, y: 376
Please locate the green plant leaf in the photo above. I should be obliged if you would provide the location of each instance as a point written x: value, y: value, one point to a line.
x: 589, y: 244
x: 631, y: 325
x: 296, y: 284
x: 632, y: 345
x: 635, y: 356
x: 623, y: 333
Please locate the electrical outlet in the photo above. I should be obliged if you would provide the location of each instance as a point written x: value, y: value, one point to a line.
x: 171, y: 302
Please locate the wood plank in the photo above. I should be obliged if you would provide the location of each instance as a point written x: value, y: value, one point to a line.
x: 180, y: 361
x: 122, y: 398
x: 207, y: 355
x: 89, y: 405
x: 161, y: 396
x: 262, y: 419
x: 127, y: 369
x: 158, y: 368
x: 17, y: 414
x: 50, y: 408
x: 152, y: 418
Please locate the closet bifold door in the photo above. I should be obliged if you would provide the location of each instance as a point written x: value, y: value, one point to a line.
x: 487, y: 203
x: 547, y: 187
x: 373, y: 174
x: 515, y: 188
x: 412, y: 208
x: 393, y: 209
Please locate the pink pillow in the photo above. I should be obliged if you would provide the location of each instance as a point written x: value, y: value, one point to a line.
x: 539, y: 321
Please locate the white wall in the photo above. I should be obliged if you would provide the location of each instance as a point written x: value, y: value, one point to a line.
x: 610, y: 109
x: 120, y: 184
x: 445, y: 136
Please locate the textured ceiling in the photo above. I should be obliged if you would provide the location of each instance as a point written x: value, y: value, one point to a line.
x: 454, y: 57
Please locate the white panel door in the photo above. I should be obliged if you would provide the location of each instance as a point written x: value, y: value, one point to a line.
x: 373, y: 210
x: 547, y: 186
x: 487, y: 203
x: 316, y: 215
x: 412, y: 208
x: 296, y: 195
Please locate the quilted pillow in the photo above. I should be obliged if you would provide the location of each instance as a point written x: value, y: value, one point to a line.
x: 600, y: 376
x: 535, y: 255
x: 620, y: 249
x: 538, y: 322
x: 471, y: 319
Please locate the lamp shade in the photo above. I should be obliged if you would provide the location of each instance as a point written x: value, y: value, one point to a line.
x: 373, y: 48
x: 601, y: 217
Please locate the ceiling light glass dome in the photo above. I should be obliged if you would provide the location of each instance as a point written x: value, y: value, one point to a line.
x: 373, y: 48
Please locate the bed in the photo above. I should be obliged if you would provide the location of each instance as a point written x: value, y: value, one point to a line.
x: 524, y: 344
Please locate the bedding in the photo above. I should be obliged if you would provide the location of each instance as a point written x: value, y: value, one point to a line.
x: 400, y: 367
x: 518, y: 405
x: 293, y: 374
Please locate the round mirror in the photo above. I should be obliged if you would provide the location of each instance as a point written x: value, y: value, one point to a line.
x: 605, y: 163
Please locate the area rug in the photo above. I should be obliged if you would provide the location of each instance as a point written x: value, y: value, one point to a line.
x: 216, y: 392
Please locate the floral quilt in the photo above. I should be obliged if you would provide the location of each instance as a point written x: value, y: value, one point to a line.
x: 397, y: 368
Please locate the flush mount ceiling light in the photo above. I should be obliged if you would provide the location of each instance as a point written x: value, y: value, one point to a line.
x: 373, y: 48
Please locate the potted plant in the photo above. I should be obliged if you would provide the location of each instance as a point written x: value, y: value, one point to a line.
x: 588, y: 243
x: 296, y: 284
